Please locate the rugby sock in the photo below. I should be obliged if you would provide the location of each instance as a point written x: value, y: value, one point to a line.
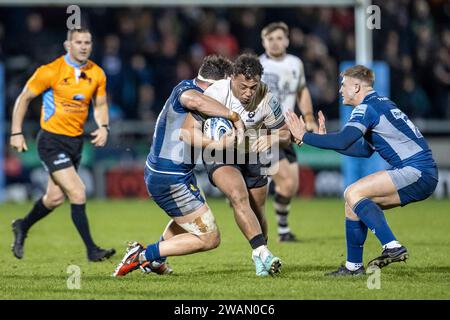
x: 282, y: 206
x: 259, y: 246
x: 258, y: 241
x: 356, y: 234
x: 262, y: 251
x: 152, y: 252
x: 373, y: 217
x: 161, y: 259
x: 80, y: 221
x: 353, y: 266
x: 38, y: 212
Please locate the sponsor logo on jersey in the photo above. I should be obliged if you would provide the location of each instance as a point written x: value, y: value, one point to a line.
x: 251, y: 115
x: 65, y: 82
x: 78, y: 97
x: 274, y: 104
x: 359, y: 111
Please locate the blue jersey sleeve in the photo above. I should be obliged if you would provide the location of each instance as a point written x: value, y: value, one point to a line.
x: 358, y: 149
x: 363, y: 117
x: 178, y: 91
x: 335, y: 141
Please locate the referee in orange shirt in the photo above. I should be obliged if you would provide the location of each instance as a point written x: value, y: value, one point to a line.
x: 67, y: 86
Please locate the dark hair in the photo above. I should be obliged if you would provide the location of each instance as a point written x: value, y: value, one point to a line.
x: 275, y: 26
x: 248, y: 65
x: 360, y: 72
x: 216, y: 67
x: 79, y: 30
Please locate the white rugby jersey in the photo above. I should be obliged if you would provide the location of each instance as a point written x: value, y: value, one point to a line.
x: 284, y: 78
x: 264, y: 111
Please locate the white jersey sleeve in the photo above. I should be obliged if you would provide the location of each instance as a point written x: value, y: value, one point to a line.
x: 302, y: 78
x: 274, y: 118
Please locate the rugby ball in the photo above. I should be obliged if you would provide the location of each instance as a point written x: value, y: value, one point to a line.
x: 215, y: 128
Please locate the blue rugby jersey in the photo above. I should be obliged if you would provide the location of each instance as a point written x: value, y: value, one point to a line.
x: 391, y: 133
x: 168, y: 154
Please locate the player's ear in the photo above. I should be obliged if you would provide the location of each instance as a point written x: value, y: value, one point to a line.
x: 263, y: 42
x: 67, y: 45
x: 286, y: 43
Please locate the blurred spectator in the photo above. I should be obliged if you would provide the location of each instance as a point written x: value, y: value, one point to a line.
x: 248, y: 30
x: 146, y: 106
x: 138, y: 73
x: 441, y: 72
x: 127, y: 33
x: 34, y: 43
x: 112, y: 64
x: 221, y: 41
x: 412, y: 99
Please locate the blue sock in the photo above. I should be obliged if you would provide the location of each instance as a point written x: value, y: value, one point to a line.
x: 161, y: 259
x: 373, y: 217
x: 356, y: 234
x: 152, y: 252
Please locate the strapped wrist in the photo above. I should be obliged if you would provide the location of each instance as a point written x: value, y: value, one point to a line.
x: 308, y: 117
x: 233, y: 116
x: 17, y: 134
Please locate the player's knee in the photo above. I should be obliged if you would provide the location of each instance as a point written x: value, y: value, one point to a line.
x: 205, y: 228
x: 211, y: 240
x: 77, y: 195
x: 352, y: 195
x: 52, y: 201
x: 238, y: 198
x: 288, y: 187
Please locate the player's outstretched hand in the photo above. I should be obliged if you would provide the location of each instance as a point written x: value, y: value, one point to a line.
x: 18, y: 143
x: 100, y: 137
x: 296, y: 125
x: 322, y: 127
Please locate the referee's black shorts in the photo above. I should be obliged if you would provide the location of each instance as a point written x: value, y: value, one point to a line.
x: 59, y: 151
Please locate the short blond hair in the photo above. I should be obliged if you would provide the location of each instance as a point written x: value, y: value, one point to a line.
x: 274, y: 26
x: 360, y: 72
x: 70, y: 32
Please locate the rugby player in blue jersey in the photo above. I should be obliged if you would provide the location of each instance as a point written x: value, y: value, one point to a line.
x: 169, y: 174
x: 376, y: 124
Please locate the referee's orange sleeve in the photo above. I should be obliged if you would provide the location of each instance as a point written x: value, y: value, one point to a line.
x: 41, y: 80
x: 101, y: 90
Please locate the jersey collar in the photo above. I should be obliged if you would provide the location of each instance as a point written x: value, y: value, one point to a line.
x: 72, y: 63
x: 194, y: 81
x: 369, y: 95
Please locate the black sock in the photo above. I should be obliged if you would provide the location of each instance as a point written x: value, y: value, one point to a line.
x: 38, y: 212
x: 282, y: 206
x: 79, y: 218
x: 258, y: 241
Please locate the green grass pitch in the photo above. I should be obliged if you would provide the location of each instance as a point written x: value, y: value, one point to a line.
x: 227, y: 272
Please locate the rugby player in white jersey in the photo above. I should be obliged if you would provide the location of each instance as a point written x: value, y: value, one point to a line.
x: 285, y: 76
x: 242, y: 176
